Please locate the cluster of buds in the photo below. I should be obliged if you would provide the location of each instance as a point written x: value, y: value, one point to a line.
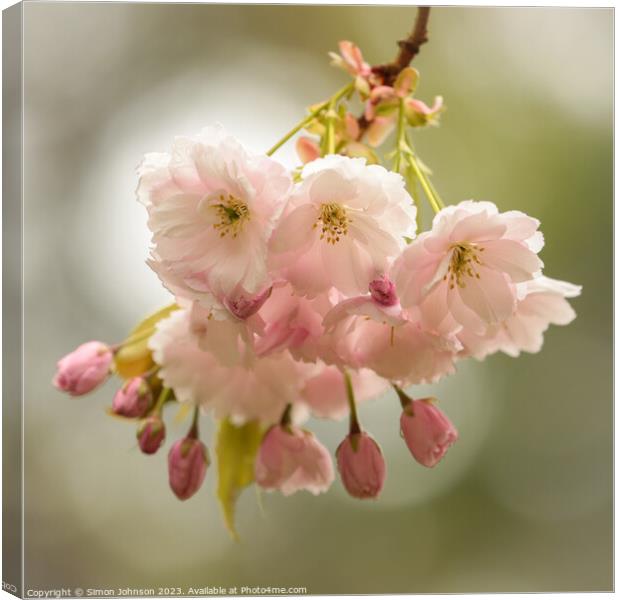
x: 303, y: 294
x: 89, y: 366
x: 289, y: 458
x: 382, y: 104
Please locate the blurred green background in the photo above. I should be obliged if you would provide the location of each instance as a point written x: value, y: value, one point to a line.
x: 523, y: 502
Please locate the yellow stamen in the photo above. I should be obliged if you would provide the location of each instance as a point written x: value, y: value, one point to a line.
x: 334, y: 222
x: 233, y: 214
x: 463, y: 263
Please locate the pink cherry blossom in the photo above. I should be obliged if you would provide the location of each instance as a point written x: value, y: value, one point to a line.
x: 252, y: 388
x: 212, y: 207
x: 361, y: 465
x: 292, y: 322
x: 544, y: 304
x: 350, y: 59
x: 308, y: 149
x: 364, y: 333
x: 226, y: 325
x: 541, y: 302
x: 463, y: 272
x: 406, y: 354
x: 188, y: 460
x: 343, y: 225
x: 217, y: 331
x: 325, y: 393
x: 291, y: 459
x: 427, y: 431
x: 84, y: 369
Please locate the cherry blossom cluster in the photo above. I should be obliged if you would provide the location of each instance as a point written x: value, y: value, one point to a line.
x: 304, y: 293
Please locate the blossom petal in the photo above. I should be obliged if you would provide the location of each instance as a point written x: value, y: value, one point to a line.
x: 511, y: 257
x: 295, y: 230
x: 490, y: 297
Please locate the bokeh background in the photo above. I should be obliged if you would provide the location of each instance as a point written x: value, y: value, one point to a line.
x: 523, y: 502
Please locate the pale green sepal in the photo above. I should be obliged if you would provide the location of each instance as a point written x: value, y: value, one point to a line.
x: 236, y: 449
x: 406, y: 82
x: 134, y: 357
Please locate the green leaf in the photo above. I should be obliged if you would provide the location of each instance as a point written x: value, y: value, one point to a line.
x: 236, y: 449
x: 134, y: 357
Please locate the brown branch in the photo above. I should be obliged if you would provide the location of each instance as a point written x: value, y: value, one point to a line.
x: 409, y: 48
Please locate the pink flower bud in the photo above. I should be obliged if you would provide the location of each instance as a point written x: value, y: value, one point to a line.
x: 427, y: 431
x: 133, y: 399
x: 419, y: 114
x: 84, y: 369
x: 151, y: 434
x: 383, y: 291
x: 361, y: 465
x: 379, y: 129
x: 353, y: 60
x: 187, y: 465
x: 291, y: 459
x: 243, y: 307
x: 307, y: 149
x: 351, y: 126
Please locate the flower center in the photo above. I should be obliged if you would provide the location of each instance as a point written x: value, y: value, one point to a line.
x: 463, y: 263
x: 233, y: 213
x: 333, y: 221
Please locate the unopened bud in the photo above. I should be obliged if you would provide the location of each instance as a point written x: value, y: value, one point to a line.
x: 188, y: 460
x: 134, y: 399
x: 151, y: 434
x: 84, y: 369
x: 427, y: 431
x: 361, y: 465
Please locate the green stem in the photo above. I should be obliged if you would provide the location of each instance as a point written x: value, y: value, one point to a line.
x: 421, y: 177
x: 163, y: 397
x: 193, y: 431
x: 405, y: 401
x: 437, y: 198
x: 313, y: 115
x: 285, y: 420
x: 329, y: 142
x: 295, y: 129
x: 354, y: 424
x: 429, y: 188
x: 400, y: 136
